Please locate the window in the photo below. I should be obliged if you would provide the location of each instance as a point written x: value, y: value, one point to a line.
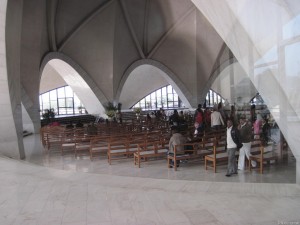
x: 167, y: 98
x: 212, y: 98
x: 63, y: 100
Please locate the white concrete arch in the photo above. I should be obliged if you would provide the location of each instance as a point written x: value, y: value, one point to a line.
x: 136, y: 82
x: 233, y: 84
x: 80, y: 82
x: 250, y: 29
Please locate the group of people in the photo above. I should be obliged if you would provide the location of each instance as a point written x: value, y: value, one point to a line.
x: 207, y: 119
x: 238, y: 136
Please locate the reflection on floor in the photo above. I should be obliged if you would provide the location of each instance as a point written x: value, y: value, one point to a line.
x: 283, y: 172
x: 31, y: 194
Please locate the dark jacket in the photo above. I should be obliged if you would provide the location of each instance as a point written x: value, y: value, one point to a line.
x: 235, y: 135
x: 246, y: 133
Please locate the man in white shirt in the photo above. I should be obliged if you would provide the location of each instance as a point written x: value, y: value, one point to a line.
x: 233, y: 143
x: 216, y: 120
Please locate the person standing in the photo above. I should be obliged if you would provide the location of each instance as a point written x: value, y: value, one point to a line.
x: 174, y: 118
x: 199, y: 118
x: 216, y: 120
x: 257, y: 126
x: 233, y: 144
x: 246, y: 136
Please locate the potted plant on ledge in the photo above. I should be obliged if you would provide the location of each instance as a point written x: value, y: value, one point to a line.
x: 48, y: 115
x: 110, y: 110
x: 137, y: 111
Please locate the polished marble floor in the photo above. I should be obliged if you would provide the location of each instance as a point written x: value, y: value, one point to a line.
x: 44, y: 192
x: 283, y: 172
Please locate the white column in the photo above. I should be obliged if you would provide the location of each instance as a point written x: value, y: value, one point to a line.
x: 11, y: 144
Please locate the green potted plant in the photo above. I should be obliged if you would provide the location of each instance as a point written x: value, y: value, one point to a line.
x: 110, y: 110
x: 48, y: 115
x: 137, y: 111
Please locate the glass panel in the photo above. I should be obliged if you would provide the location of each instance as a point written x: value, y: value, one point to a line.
x: 270, y: 56
x: 46, y: 105
x: 164, y: 91
x: 292, y: 28
x: 61, y: 92
x: 158, y: 93
x: 170, y: 89
x: 45, y: 97
x: 53, y: 104
x: 69, y: 102
x: 62, y: 111
x: 69, y: 111
x: 69, y: 91
x: 61, y: 102
x: 175, y: 96
x: 53, y: 95
x: 292, y: 62
x: 170, y: 97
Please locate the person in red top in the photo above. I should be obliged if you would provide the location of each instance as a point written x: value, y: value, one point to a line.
x: 207, y: 119
x: 199, y: 118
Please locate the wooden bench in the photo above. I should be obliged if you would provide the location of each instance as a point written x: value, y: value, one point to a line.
x: 255, y: 150
x: 186, y: 152
x: 67, y: 141
x: 266, y: 155
x: 82, y: 144
x: 219, y: 155
x: 149, y: 150
x: 118, y: 148
x: 54, y: 139
x: 98, y: 145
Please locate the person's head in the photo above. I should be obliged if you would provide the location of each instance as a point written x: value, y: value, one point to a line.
x: 199, y: 106
x: 243, y: 119
x: 229, y: 123
x: 175, y: 112
x: 220, y: 105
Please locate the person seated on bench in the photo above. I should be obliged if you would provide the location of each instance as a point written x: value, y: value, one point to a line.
x: 176, y: 139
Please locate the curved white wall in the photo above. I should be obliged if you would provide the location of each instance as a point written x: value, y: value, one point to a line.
x: 251, y: 28
x: 78, y: 85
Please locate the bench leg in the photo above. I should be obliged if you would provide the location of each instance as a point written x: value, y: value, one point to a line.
x: 139, y: 161
x: 261, y: 166
x: 108, y: 159
x: 215, y: 166
x: 168, y: 160
x: 175, y: 164
x: 205, y: 163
